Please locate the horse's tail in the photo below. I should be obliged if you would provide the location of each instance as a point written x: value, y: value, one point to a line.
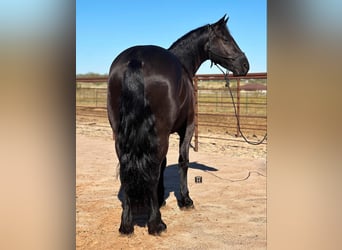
x: 137, y: 142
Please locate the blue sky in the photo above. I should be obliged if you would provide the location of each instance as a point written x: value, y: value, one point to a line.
x: 105, y: 28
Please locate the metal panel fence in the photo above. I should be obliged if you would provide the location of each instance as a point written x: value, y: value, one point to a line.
x: 214, y: 107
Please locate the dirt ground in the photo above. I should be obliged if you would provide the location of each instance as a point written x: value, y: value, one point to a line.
x: 230, y: 203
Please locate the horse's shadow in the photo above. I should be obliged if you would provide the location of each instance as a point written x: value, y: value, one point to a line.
x: 172, y: 181
x: 171, y: 185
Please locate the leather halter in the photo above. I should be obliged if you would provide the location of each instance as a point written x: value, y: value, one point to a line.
x: 211, y: 53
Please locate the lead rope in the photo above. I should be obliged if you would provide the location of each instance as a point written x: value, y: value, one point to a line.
x: 236, y: 115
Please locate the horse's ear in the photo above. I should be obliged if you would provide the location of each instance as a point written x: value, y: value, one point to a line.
x: 223, y: 20
x: 226, y: 18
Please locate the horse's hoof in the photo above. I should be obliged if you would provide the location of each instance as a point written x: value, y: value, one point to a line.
x: 185, y: 204
x: 184, y: 208
x: 156, y: 229
x: 126, y: 230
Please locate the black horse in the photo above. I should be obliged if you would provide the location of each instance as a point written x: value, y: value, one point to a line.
x: 150, y: 96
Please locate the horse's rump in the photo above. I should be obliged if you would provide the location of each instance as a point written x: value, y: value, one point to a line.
x: 167, y: 91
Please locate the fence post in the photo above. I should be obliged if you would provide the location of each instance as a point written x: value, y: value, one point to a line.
x: 195, y: 81
x: 238, y: 106
x: 96, y: 97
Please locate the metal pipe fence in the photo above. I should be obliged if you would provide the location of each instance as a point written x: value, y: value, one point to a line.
x: 214, y: 111
x: 215, y: 108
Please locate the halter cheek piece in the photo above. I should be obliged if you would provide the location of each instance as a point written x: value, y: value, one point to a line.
x: 212, y: 54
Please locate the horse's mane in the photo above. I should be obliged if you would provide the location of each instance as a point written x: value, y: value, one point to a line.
x: 188, y: 37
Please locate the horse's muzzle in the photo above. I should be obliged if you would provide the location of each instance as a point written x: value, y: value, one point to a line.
x: 241, y: 66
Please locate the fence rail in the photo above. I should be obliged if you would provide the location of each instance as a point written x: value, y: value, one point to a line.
x: 214, y: 107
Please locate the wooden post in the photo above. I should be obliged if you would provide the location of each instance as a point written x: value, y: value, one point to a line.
x: 96, y: 98
x: 238, y: 106
x: 195, y: 81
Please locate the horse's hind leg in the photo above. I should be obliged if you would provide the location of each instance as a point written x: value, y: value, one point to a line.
x: 155, y: 223
x: 183, y: 161
x: 126, y: 226
x: 161, y: 189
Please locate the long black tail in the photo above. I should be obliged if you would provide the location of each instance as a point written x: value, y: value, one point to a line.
x: 137, y: 142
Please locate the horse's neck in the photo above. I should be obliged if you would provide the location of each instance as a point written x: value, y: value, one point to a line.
x: 190, y: 53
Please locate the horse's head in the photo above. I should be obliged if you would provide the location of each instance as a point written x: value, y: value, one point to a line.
x: 223, y: 50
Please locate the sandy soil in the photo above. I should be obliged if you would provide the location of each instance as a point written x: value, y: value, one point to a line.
x: 230, y: 203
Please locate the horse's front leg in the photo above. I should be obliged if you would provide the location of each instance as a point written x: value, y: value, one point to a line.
x: 183, y: 161
x: 185, y: 200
